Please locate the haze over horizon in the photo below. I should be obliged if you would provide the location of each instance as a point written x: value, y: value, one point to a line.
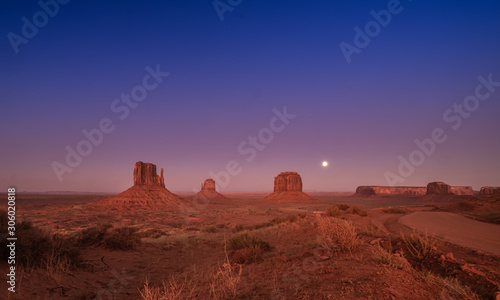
x: 232, y: 79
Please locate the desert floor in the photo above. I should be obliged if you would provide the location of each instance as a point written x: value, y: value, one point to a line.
x: 247, y: 248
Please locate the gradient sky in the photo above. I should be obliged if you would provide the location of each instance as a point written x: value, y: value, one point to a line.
x: 227, y: 76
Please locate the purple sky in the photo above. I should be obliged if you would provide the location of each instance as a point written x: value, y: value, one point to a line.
x: 226, y: 77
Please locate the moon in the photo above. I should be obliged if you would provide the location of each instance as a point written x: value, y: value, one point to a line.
x: 325, y: 163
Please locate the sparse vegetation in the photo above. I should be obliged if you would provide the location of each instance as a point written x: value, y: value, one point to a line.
x: 420, y: 246
x: 450, y: 286
x: 248, y: 249
x: 121, y: 238
x: 357, y: 210
x: 278, y: 220
x: 337, y: 235
x: 334, y: 211
x: 209, y: 229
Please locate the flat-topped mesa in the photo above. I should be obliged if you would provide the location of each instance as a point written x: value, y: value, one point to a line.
x: 489, y: 190
x: 438, y: 188
x: 208, y: 185
x: 145, y: 174
x: 391, y: 190
x: 463, y: 191
x: 288, y: 182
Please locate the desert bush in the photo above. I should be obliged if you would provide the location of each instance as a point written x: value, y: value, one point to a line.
x: 450, y: 286
x: 93, y: 235
x: 221, y: 225
x: 192, y: 228
x: 342, y: 206
x: 246, y: 241
x: 357, y: 210
x: 337, y: 235
x: 122, y: 238
x: 419, y: 246
x: 334, y: 211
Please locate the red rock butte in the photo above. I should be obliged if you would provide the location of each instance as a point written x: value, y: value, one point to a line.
x: 433, y: 188
x: 208, y: 192
x: 288, y: 188
x: 148, y: 191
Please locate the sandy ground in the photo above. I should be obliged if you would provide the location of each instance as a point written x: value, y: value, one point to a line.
x: 456, y: 229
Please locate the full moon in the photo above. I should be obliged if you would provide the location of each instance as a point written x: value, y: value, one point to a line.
x: 325, y: 163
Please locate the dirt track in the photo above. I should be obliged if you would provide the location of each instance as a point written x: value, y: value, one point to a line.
x: 456, y: 229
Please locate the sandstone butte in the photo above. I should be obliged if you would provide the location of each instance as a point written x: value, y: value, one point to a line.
x: 148, y: 191
x: 288, y: 188
x: 208, y: 193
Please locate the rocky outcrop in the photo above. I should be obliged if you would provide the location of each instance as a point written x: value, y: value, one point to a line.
x: 438, y: 188
x: 288, y: 182
x: 208, y: 193
x: 390, y: 190
x: 148, y: 191
x: 489, y: 190
x: 288, y: 188
x: 463, y: 190
x: 145, y: 174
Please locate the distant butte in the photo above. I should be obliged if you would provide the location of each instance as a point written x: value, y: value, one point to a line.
x: 288, y: 188
x: 208, y: 192
x: 433, y: 188
x: 148, y: 191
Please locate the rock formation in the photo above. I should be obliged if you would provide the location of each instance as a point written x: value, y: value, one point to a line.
x: 489, y: 190
x: 288, y: 188
x: 148, y: 191
x: 208, y: 192
x: 463, y: 190
x: 391, y: 190
x: 438, y: 188
x: 145, y: 174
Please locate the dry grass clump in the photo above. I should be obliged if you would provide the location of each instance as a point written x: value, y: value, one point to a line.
x: 420, y: 246
x: 219, y: 283
x: 334, y: 211
x: 337, y: 235
x: 93, y: 235
x: 451, y: 287
x: 338, y: 210
x: 209, y: 229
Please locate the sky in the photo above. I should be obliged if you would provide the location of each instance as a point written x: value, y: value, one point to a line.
x: 242, y: 90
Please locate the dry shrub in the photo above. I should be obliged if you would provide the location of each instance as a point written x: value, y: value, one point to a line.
x: 334, y: 211
x: 419, y: 246
x: 122, y: 238
x: 337, y: 235
x: 357, y: 210
x: 248, y: 249
x: 342, y: 206
x: 450, y: 286
x: 93, y: 235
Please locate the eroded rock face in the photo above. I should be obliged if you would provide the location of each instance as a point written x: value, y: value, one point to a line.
x: 145, y: 174
x: 391, y: 190
x: 463, y: 190
x: 489, y: 190
x: 288, y: 182
x: 438, y: 188
x: 208, y: 185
